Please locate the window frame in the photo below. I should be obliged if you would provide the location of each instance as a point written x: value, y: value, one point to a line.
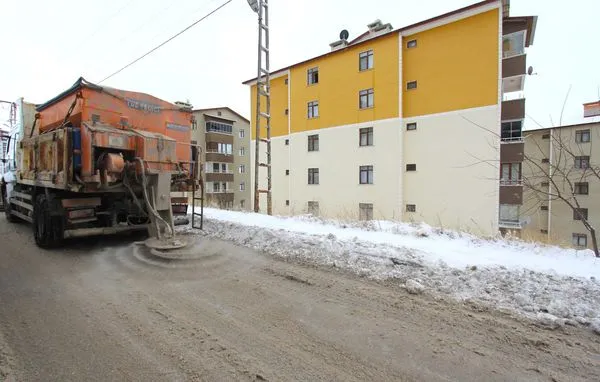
x: 411, y: 208
x: 242, y: 186
x: 367, y: 133
x: 312, y: 76
x: 369, y: 59
x: 579, y: 134
x: 514, y: 134
x: 365, y: 211
x: 313, y: 176
x: 242, y: 151
x: 579, y: 186
x: 411, y: 126
x: 313, y: 208
x: 576, y: 237
x: 312, y: 111
x: 369, y: 96
x: 410, y: 44
x: 242, y: 133
x: 313, y: 143
x: 411, y: 167
x: 242, y: 169
x: 582, y: 159
x: 580, y: 214
x: 409, y: 85
x: 367, y: 170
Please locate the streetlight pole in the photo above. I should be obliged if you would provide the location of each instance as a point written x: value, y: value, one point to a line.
x: 263, y: 93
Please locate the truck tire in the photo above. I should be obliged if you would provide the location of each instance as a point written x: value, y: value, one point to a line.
x: 47, y: 230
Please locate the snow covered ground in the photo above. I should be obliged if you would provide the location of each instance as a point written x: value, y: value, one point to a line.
x: 551, y: 284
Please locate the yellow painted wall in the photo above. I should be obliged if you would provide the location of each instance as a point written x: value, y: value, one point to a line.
x: 455, y: 66
x: 279, y: 102
x: 340, y: 82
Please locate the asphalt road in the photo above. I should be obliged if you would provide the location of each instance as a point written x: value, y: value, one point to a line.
x: 104, y: 309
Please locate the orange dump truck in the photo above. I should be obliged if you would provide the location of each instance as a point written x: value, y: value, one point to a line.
x: 97, y: 160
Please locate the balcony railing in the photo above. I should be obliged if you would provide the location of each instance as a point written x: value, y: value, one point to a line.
x: 228, y: 191
x: 510, y: 224
x: 211, y: 171
x: 213, y: 151
x: 512, y: 139
x: 511, y: 182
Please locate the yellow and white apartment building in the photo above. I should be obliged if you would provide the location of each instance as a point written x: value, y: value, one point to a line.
x: 402, y: 124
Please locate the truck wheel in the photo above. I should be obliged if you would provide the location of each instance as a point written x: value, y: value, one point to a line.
x: 47, y: 230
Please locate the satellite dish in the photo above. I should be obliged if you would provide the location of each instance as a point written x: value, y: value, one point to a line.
x: 344, y: 34
x: 530, y: 70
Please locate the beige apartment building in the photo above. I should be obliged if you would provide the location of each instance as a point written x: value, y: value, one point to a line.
x: 560, y: 162
x: 224, y: 137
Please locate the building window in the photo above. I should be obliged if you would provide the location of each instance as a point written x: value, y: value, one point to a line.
x: 365, y: 211
x: 218, y: 127
x: 243, y: 186
x: 546, y: 136
x: 580, y: 214
x: 411, y: 126
x: 313, y: 109
x: 582, y: 162
x: 242, y: 133
x: 313, y: 176
x: 544, y: 231
x: 545, y: 160
x: 411, y: 167
x: 544, y: 208
x: 580, y: 240
x: 509, y: 213
x: 224, y: 168
x: 313, y: 208
x: 411, y: 85
x: 411, y: 44
x: 545, y: 184
x: 365, y: 98
x: 216, y: 187
x: 582, y: 188
x: 215, y: 167
x: 512, y: 131
x: 220, y: 148
x: 366, y: 175
x: 242, y: 169
x: 582, y: 136
x: 287, y: 172
x: 242, y: 203
x: 365, y: 60
x: 287, y: 202
x: 313, y: 76
x: 224, y: 187
x: 287, y: 142
x: 365, y: 136
x: 313, y: 142
x: 242, y: 151
x: 287, y: 111
x: 286, y: 81
x: 411, y: 208
x: 510, y: 174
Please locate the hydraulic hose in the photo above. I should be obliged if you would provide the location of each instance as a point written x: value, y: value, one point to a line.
x: 147, y: 199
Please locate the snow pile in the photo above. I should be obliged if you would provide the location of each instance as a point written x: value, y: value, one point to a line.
x: 550, y: 284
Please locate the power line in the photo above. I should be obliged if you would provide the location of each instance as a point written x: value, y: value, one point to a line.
x: 165, y: 42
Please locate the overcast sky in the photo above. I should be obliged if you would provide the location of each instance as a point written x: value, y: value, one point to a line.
x: 47, y: 45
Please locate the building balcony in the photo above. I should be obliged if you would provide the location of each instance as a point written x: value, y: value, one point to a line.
x: 513, y: 109
x: 219, y: 177
x: 214, y: 137
x: 215, y: 156
x: 514, y: 66
x: 512, y: 150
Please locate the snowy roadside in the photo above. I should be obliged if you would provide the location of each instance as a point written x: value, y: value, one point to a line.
x: 552, y: 285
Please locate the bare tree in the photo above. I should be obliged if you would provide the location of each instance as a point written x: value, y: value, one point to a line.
x: 565, y: 175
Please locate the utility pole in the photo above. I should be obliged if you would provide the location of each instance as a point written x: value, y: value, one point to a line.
x: 263, y: 93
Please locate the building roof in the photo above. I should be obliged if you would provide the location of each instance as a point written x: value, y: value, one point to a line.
x: 420, y: 23
x: 221, y: 107
x: 583, y: 124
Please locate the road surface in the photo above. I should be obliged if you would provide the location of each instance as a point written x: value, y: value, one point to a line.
x: 104, y: 309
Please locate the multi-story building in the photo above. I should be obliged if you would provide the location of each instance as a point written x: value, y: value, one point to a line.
x: 224, y: 137
x: 400, y: 124
x: 561, y: 181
